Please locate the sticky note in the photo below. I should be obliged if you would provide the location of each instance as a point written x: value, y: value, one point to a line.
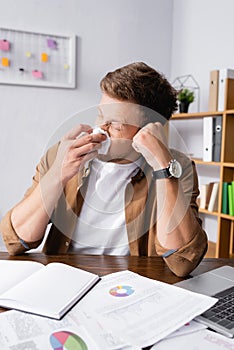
x: 51, y: 43
x: 37, y: 74
x: 44, y: 57
x: 66, y: 66
x: 5, y: 62
x: 4, y: 45
x: 28, y: 54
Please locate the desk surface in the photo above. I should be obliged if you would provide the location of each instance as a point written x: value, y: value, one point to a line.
x: 153, y: 267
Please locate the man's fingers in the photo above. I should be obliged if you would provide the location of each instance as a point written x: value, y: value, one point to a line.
x: 86, y: 139
x: 83, y: 159
x: 135, y: 146
x: 77, y: 130
x: 84, y: 150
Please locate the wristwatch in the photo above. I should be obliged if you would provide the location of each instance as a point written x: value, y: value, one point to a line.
x: 174, y: 169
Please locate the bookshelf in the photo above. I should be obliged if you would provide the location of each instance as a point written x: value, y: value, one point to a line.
x: 224, y: 245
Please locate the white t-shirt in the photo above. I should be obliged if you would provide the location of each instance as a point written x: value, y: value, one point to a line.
x: 101, y: 227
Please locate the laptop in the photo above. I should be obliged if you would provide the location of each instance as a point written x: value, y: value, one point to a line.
x: 218, y: 283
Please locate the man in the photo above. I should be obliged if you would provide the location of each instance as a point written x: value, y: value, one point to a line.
x: 138, y: 199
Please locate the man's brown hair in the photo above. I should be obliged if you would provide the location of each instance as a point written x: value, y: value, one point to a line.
x: 141, y: 84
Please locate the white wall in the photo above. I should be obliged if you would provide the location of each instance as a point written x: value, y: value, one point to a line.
x: 202, y: 41
x: 109, y: 34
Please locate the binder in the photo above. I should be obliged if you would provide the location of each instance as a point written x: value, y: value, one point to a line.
x: 208, y: 138
x: 213, y: 90
x: 217, y: 138
x: 223, y: 75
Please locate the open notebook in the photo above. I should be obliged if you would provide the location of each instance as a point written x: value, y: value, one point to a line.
x: 47, y: 290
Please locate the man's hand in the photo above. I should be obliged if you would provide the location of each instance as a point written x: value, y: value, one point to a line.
x: 151, y: 142
x: 75, y: 151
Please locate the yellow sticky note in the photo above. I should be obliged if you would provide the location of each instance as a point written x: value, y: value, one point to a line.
x: 44, y: 57
x: 5, y: 62
x: 28, y: 54
x: 66, y: 66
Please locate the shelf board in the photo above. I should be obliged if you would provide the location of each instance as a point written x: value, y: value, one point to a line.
x: 225, y: 164
x: 215, y: 213
x: 226, y: 216
x: 230, y: 111
x: 205, y: 211
x: 195, y: 115
x: 200, y: 114
x: 200, y: 161
x: 228, y: 165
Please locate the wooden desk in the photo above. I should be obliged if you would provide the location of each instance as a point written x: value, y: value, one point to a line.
x: 154, y: 267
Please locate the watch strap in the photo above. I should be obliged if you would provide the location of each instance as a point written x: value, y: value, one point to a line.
x: 161, y: 174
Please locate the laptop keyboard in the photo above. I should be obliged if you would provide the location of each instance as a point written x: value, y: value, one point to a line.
x: 222, y: 312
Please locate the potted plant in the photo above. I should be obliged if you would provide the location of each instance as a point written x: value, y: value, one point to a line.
x: 185, y: 97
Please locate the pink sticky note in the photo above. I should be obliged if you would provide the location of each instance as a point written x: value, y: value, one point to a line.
x: 4, y: 45
x: 52, y: 44
x: 37, y: 74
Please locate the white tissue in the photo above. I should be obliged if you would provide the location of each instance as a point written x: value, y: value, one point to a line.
x: 105, y: 144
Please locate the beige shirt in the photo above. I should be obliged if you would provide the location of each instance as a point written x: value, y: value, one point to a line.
x: 140, y: 213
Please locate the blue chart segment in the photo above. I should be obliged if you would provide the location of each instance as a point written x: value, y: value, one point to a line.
x: 64, y: 340
x: 121, y: 291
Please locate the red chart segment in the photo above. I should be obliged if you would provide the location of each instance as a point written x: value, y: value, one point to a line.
x: 64, y: 340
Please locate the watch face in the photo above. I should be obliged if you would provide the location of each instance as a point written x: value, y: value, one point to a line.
x: 175, y: 169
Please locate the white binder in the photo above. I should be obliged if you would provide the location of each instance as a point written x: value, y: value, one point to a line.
x: 208, y: 139
x: 223, y: 75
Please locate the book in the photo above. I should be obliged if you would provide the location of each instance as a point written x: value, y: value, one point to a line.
x: 224, y: 74
x: 225, y: 208
x: 232, y: 183
x: 47, y: 290
x: 208, y: 195
x: 205, y: 193
x: 213, y: 90
x: 213, y: 203
x: 230, y: 200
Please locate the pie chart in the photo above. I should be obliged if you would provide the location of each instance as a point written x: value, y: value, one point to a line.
x: 121, y: 291
x: 64, y: 340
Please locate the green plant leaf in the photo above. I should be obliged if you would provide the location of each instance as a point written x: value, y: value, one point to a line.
x: 186, y: 95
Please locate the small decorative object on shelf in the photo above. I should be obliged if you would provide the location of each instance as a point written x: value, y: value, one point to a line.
x: 188, y: 82
x: 185, y: 97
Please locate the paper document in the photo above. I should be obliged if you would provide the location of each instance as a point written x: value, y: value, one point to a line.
x: 22, y: 331
x: 140, y: 310
x: 104, y: 337
x: 201, y: 340
x: 189, y: 327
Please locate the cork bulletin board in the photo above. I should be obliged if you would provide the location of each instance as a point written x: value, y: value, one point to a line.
x: 37, y: 59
